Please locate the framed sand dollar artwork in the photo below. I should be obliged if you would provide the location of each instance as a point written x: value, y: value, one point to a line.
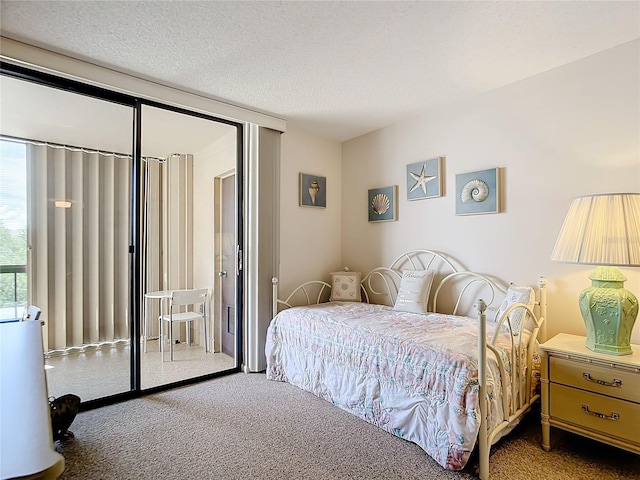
x: 313, y: 191
x: 383, y: 204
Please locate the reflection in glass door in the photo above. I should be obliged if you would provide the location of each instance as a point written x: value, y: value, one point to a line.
x: 75, y: 164
x: 182, y: 155
x: 67, y: 169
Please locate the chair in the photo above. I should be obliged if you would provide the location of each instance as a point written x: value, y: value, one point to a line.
x: 181, y: 298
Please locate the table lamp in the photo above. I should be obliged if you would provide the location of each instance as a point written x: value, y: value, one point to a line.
x: 604, y: 230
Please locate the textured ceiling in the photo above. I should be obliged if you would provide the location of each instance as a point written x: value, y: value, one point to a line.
x: 337, y: 69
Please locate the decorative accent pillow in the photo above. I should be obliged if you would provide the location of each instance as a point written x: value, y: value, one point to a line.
x: 413, y: 294
x: 516, y: 294
x: 345, y: 287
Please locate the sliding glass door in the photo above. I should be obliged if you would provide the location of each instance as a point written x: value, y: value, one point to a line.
x: 98, y: 234
x: 183, y: 158
x: 67, y: 211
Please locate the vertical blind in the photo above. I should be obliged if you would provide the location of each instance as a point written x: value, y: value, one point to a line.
x: 167, y: 219
x: 78, y: 226
x: 78, y: 236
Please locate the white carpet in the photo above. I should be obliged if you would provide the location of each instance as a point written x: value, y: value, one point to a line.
x: 243, y: 426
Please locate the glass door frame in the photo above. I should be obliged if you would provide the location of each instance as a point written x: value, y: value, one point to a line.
x: 136, y: 240
x: 135, y: 245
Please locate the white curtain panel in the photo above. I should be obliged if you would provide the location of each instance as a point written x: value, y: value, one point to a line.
x: 178, y: 232
x: 152, y: 266
x: 167, y: 219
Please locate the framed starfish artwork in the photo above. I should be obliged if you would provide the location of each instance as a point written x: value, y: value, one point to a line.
x: 424, y: 179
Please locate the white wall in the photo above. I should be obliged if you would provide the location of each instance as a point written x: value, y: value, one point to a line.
x: 571, y: 131
x: 216, y: 159
x: 310, y: 238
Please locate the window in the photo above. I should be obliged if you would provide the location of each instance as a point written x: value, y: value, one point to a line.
x: 13, y: 229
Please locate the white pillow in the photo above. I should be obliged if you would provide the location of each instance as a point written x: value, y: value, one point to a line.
x: 345, y: 287
x: 516, y: 294
x: 413, y: 294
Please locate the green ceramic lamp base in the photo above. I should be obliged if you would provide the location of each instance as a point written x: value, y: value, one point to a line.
x: 609, y: 312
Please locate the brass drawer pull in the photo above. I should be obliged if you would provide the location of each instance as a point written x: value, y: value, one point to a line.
x: 614, y: 415
x: 616, y: 382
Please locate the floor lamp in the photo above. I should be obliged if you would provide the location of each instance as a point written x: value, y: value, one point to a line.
x: 26, y: 441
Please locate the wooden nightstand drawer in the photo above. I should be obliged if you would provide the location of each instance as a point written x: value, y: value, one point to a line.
x: 610, y: 416
x: 595, y: 378
x: 592, y: 394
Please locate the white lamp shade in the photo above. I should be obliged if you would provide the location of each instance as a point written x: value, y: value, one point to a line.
x: 601, y: 230
x: 26, y: 441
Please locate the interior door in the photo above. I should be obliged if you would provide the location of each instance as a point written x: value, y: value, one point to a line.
x: 228, y: 264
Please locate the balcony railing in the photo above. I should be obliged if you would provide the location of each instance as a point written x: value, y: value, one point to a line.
x: 13, y: 290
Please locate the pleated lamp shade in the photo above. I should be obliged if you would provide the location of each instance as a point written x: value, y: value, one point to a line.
x: 601, y: 230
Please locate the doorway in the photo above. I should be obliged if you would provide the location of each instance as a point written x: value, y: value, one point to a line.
x: 228, y: 256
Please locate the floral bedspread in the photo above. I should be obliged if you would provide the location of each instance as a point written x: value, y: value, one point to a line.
x: 413, y: 375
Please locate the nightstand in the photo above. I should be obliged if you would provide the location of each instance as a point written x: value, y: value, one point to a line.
x: 591, y: 394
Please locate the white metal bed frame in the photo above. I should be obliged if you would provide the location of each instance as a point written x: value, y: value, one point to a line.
x: 383, y: 282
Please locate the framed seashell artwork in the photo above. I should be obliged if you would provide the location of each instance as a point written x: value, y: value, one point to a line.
x: 383, y: 204
x: 478, y: 192
x: 313, y: 191
x: 424, y: 179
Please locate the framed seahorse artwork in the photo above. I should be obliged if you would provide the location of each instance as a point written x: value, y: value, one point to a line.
x: 313, y: 191
x: 478, y: 192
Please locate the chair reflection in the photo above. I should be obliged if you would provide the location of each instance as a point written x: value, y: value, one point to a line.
x: 197, y: 300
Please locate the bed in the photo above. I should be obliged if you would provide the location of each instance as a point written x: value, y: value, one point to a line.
x: 399, y: 348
